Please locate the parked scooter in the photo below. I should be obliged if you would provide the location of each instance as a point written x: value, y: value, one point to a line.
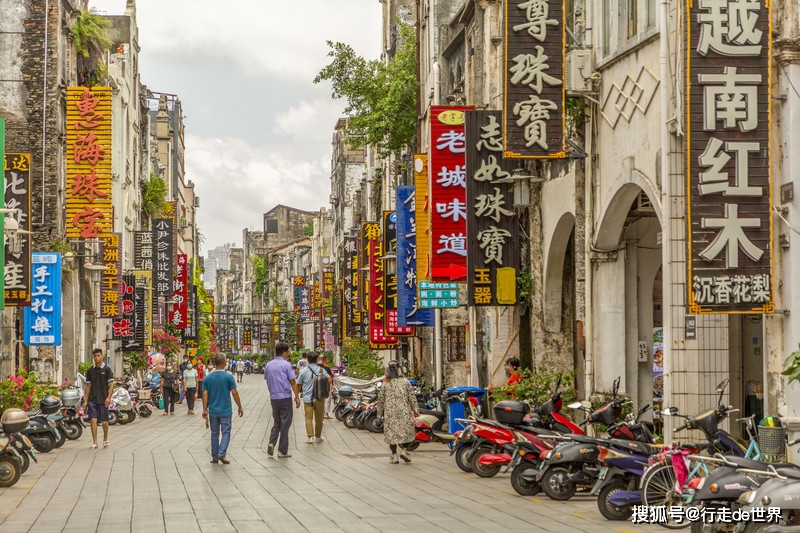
x: 124, y: 404
x: 43, y: 432
x: 73, y: 421
x: 15, y: 453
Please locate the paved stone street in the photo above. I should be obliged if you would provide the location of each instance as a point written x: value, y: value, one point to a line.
x: 156, y: 476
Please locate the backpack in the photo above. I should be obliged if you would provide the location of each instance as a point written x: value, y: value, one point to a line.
x: 322, y: 389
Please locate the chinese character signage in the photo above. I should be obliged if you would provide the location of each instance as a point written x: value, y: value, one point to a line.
x: 328, y: 276
x: 533, y: 118
x: 180, y: 298
x: 378, y: 339
x: 143, y: 300
x: 88, y: 191
x: 729, y: 180
x: 492, y: 226
x: 189, y: 333
x: 352, y: 313
x: 390, y: 279
x: 298, y: 282
x: 163, y: 273
x: 18, y: 196
x: 247, y: 331
x: 43, y: 316
x: 447, y: 201
x: 111, y: 283
x: 122, y: 327
x: 423, y: 235
x: 143, y: 251
x: 408, y: 313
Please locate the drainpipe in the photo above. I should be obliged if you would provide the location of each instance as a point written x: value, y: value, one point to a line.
x: 666, y: 212
x: 44, y: 102
x: 589, y: 230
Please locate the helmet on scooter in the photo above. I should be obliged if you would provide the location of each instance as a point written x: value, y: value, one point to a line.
x: 346, y: 391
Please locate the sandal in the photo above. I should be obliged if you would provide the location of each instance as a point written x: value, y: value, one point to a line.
x: 93, y: 447
x: 106, y: 444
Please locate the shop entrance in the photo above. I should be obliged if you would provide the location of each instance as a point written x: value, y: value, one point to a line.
x: 746, y: 368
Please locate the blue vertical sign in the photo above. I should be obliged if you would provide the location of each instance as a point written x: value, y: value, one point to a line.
x: 43, y: 315
x: 407, y: 312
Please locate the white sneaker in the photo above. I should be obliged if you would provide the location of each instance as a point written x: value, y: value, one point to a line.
x: 311, y: 440
x: 393, y: 459
x: 320, y: 439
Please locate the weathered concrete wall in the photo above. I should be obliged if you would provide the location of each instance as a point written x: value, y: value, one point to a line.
x: 13, y: 93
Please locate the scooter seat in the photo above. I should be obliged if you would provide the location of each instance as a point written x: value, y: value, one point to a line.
x: 792, y: 473
x: 587, y: 440
x: 438, y: 414
x: 634, y: 446
x: 31, y: 414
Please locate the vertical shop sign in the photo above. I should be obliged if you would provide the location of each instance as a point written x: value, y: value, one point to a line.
x: 18, y: 196
x: 180, y: 299
x: 143, y: 299
x: 189, y: 333
x: 143, y: 250
x: 352, y: 313
x: 533, y: 110
x: 257, y: 333
x: 122, y: 327
x: 247, y: 331
x: 408, y: 313
x: 729, y: 72
x: 43, y: 316
x: 390, y: 278
x: 111, y: 283
x: 163, y: 274
x: 423, y: 237
x: 298, y: 282
x: 328, y: 278
x: 447, y: 201
x: 88, y: 191
x: 378, y: 339
x: 492, y: 225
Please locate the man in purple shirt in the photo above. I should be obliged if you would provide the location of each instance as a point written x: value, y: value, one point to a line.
x: 281, y: 384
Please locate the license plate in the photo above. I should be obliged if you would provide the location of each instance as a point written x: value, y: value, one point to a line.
x: 603, y: 472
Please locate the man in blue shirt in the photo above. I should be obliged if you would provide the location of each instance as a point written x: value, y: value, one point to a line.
x: 313, y: 407
x: 281, y: 384
x: 218, y: 387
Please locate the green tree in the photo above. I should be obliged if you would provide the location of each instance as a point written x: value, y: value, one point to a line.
x: 90, y: 35
x: 381, y: 97
x: 260, y: 273
x: 362, y: 362
x: 154, y: 193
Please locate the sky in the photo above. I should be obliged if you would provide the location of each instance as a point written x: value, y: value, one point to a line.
x: 258, y: 130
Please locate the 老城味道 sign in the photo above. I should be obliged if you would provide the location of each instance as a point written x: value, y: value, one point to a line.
x: 729, y: 177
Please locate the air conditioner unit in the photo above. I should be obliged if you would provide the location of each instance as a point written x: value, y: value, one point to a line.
x: 578, y: 71
x: 643, y: 204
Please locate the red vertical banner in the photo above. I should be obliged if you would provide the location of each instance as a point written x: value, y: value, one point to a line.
x: 378, y: 339
x: 180, y: 299
x: 448, y: 194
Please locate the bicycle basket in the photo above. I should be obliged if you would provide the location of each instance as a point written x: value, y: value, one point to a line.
x: 772, y: 441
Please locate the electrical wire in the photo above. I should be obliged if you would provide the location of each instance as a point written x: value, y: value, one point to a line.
x: 780, y: 214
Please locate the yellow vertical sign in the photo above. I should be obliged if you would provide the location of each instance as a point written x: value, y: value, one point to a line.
x: 422, y: 217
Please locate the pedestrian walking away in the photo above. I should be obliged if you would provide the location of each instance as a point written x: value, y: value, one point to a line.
x: 190, y: 385
x: 313, y: 406
x: 239, y: 370
x: 181, y: 368
x: 99, y: 386
x: 281, y: 383
x: 397, y: 405
x: 323, y: 362
x: 218, y: 387
x: 302, y: 363
x: 170, y: 389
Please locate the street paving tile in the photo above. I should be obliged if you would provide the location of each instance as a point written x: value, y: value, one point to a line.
x: 156, y: 477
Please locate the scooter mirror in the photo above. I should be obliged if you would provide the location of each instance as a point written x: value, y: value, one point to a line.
x: 575, y: 405
x: 671, y: 411
x: 615, y: 387
x: 723, y: 384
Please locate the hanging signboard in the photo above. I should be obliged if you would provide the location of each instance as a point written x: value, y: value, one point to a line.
x: 122, y: 327
x: 43, y: 317
x: 422, y: 230
x: 533, y: 108
x: 352, y: 313
x: 447, y: 201
x: 88, y: 191
x: 728, y: 165
x: 143, y: 250
x: 164, y: 269
x: 378, y: 339
x: 189, y: 333
x: 180, y: 298
x: 111, y: 279
x: 408, y: 313
x: 492, y: 227
x: 18, y: 196
x: 390, y: 278
x: 143, y: 299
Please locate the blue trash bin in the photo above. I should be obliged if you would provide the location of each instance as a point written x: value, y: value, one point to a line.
x: 455, y: 409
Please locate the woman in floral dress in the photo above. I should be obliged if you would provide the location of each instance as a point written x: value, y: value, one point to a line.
x: 397, y: 405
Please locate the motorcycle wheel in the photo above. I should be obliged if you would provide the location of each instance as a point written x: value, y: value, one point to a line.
x: 338, y: 412
x: 124, y: 417
x: 462, y: 458
x: 523, y: 486
x: 44, y: 443
x: 374, y: 424
x: 349, y: 420
x: 62, y: 437
x: 554, y: 486
x: 413, y: 446
x: 73, y: 430
x: 132, y: 414
x: 10, y: 470
x: 658, y: 488
x: 144, y: 412
x: 608, y: 509
x: 483, y: 470
x: 359, y: 421
x: 113, y: 417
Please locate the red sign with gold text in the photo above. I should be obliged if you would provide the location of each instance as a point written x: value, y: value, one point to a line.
x: 378, y: 339
x: 447, y: 201
x: 88, y: 193
x: 180, y: 307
